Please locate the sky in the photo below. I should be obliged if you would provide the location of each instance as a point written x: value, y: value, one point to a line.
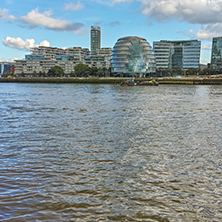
x: 66, y: 23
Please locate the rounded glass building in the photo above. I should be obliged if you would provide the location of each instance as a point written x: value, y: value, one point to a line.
x: 132, y: 57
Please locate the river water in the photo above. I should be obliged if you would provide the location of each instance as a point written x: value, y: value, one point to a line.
x: 110, y: 153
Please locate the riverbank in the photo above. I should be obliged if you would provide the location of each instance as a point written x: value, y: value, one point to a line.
x: 109, y: 80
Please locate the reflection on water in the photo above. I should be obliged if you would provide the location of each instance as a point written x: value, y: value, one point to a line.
x: 110, y: 153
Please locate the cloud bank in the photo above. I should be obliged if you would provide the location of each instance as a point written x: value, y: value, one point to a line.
x: 207, y: 13
x: 192, y: 11
x: 18, y: 43
x: 35, y: 18
x: 4, y: 14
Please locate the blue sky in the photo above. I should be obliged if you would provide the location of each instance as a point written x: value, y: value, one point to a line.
x: 66, y: 23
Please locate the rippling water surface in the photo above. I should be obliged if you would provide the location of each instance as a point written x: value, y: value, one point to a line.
x: 110, y: 153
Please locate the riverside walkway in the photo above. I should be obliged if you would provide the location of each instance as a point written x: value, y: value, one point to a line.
x: 110, y: 80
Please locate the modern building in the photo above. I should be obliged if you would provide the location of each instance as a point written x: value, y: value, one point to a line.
x: 216, y: 53
x: 177, y: 54
x: 6, y: 68
x: 95, y: 39
x: 132, y: 56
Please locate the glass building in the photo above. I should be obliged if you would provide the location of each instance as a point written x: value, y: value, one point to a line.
x: 216, y: 53
x: 177, y: 54
x: 132, y: 56
x: 95, y: 39
x: 5, y: 67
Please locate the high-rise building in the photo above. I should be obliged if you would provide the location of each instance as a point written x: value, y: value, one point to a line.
x: 95, y: 39
x: 177, y: 54
x: 216, y: 53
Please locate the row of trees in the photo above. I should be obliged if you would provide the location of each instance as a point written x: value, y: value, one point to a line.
x: 82, y: 70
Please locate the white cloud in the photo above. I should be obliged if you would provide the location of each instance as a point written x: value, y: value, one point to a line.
x: 18, y: 43
x: 192, y: 11
x: 43, y: 43
x: 4, y: 14
x: 3, y: 59
x: 35, y: 18
x: 74, y: 7
x: 208, y: 13
x: 206, y: 47
x: 12, y: 59
x: 209, y: 31
x: 84, y: 32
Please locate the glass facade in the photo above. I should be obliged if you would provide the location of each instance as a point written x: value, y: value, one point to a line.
x: 191, y: 54
x: 132, y: 56
x: 65, y: 58
x: 216, y: 54
x: 34, y: 57
x: 177, y: 54
x: 5, y: 68
x: 177, y: 57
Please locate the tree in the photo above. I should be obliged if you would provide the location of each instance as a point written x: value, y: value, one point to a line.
x: 101, y: 72
x: 82, y: 70
x: 207, y: 71
x: 93, y: 71
x: 192, y: 71
x: 56, y: 71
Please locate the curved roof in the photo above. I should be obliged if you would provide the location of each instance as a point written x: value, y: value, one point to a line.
x: 131, y: 37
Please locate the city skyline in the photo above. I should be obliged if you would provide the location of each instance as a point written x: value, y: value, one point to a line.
x: 29, y: 23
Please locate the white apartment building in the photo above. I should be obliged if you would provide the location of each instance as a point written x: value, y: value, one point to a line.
x: 43, y: 58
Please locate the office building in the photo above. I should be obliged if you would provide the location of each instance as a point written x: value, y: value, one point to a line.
x: 177, y: 54
x: 6, y: 68
x: 216, y: 53
x: 132, y: 56
x: 95, y: 39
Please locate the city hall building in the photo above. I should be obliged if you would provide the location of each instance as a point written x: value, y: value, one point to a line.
x: 132, y: 56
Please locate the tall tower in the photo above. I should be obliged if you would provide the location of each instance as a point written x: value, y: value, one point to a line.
x: 95, y: 39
